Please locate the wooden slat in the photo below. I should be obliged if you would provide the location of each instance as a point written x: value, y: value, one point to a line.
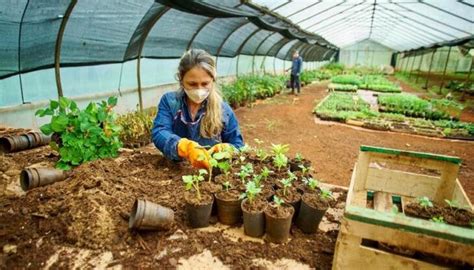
x: 350, y: 255
x: 419, y: 155
x: 361, y: 172
x: 402, y: 183
x: 448, y: 182
x: 409, y: 240
x: 383, y: 201
x: 406, y: 160
x: 409, y: 224
x: 460, y: 196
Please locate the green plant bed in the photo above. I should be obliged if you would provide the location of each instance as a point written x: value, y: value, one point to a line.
x: 384, y: 88
x: 347, y: 79
x: 342, y: 87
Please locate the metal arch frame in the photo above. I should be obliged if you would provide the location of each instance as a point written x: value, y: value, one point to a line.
x: 240, y: 49
x: 340, y: 18
x: 226, y: 38
x: 444, y: 11
x: 321, y: 12
x: 338, y: 13
x: 282, y: 5
x: 258, y: 47
x: 341, y: 22
x: 273, y: 46
x: 419, y: 30
x: 303, y: 9
x: 198, y: 31
x: 146, y: 31
x: 279, y: 49
x: 372, y: 18
x: 19, y: 50
x: 464, y: 3
x: 297, y: 46
x: 418, y: 22
x: 431, y: 19
x: 57, y: 47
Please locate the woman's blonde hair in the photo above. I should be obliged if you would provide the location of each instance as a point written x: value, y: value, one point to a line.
x: 211, y: 123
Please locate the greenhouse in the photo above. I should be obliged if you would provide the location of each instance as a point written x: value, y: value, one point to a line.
x: 285, y: 134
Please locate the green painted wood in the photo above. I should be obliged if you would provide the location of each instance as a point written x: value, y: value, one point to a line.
x: 395, y: 198
x: 381, y: 150
x: 409, y: 224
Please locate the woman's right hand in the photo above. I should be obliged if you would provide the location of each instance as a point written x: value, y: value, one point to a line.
x: 194, y: 153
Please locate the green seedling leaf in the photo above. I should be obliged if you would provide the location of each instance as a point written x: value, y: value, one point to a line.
x: 425, y: 202
x: 277, y: 201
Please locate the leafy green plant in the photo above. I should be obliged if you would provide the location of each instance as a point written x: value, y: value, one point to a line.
x: 193, y: 181
x: 278, y: 201
x: 311, y: 183
x: 438, y: 219
x: 280, y: 149
x: 227, y: 186
x: 452, y: 204
x: 245, y: 171
x: 425, y: 202
x: 280, y: 161
x: 251, y: 191
x: 137, y: 125
x: 265, y: 173
x: 286, y: 184
x: 325, y: 194
x: 257, y: 178
x: 299, y: 158
x: 304, y: 169
x: 85, y: 135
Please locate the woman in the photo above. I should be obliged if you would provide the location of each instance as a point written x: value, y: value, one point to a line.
x: 195, y: 118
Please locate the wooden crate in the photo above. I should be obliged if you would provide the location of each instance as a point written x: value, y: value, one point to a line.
x: 362, y: 224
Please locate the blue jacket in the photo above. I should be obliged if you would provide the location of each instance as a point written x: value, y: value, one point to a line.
x: 296, y: 66
x: 173, y: 122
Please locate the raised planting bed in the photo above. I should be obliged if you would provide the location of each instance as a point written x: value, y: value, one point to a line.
x: 342, y: 87
x: 347, y: 79
x: 374, y: 236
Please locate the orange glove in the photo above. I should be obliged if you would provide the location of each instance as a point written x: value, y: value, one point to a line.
x: 220, y: 147
x: 194, y: 153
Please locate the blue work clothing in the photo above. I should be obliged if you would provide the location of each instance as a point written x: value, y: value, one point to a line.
x: 174, y: 122
x: 296, y: 65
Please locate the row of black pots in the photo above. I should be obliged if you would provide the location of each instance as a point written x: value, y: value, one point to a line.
x: 231, y: 212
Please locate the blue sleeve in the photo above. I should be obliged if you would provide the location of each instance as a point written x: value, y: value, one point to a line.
x: 231, y: 132
x: 162, y: 132
x: 300, y: 64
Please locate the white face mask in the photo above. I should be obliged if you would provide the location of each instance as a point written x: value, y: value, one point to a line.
x: 197, y: 95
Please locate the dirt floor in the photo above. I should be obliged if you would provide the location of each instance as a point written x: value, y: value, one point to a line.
x: 83, y: 221
x: 332, y: 147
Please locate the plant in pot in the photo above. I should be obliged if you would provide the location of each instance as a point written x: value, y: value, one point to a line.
x: 245, y: 171
x: 278, y: 217
x: 266, y: 190
x: 280, y: 162
x: 310, y: 185
x: 296, y: 162
x: 289, y: 194
x: 81, y: 135
x: 253, y: 208
x: 312, y: 209
x: 198, y: 205
x: 228, y: 201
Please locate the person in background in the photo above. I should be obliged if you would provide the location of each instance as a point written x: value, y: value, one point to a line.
x: 194, y: 122
x: 296, y: 67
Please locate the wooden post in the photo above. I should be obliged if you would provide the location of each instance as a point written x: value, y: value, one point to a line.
x: 444, y: 71
x: 57, y: 48
x: 412, y: 65
x: 419, y: 68
x: 429, y: 69
x: 467, y: 79
x: 406, y: 64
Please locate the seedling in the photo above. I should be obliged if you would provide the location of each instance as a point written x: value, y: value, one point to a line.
x: 452, y: 204
x: 251, y: 191
x: 311, y: 183
x: 265, y: 173
x: 298, y: 157
x: 277, y: 201
x: 259, y: 151
x: 439, y: 219
x: 304, y: 169
x: 245, y: 171
x: 192, y: 181
x: 292, y: 176
x: 286, y: 184
x: 325, y: 194
x: 425, y: 202
x: 280, y: 149
x: 227, y: 185
x: 257, y: 178
x: 280, y: 161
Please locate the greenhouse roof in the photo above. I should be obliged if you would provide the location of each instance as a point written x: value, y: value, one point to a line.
x: 42, y: 34
x: 398, y: 24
